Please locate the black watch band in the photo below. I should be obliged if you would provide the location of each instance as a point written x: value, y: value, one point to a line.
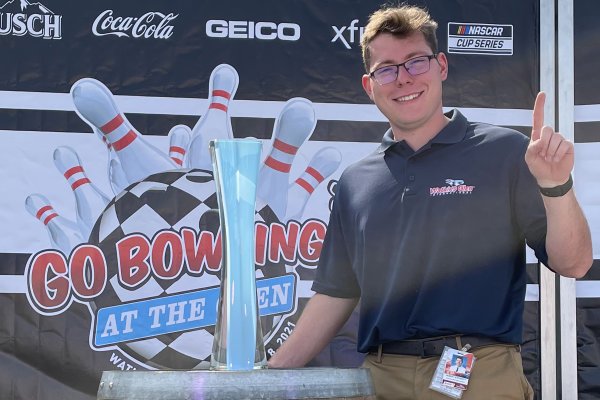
x: 559, y: 190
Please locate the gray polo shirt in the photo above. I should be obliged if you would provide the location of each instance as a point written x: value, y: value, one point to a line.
x: 433, y: 241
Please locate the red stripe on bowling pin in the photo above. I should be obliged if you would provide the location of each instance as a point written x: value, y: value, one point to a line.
x: 177, y: 150
x: 307, y: 186
x: 112, y: 124
x: 315, y: 174
x: 77, y: 182
x: 277, y: 165
x: 125, y: 141
x: 179, y: 139
x: 41, y: 211
x: 220, y: 106
x: 48, y: 217
x: 221, y: 93
x: 286, y: 148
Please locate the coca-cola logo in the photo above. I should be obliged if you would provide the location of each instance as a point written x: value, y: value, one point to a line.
x: 152, y: 24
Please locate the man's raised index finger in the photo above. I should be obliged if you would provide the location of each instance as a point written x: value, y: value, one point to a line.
x: 538, y: 116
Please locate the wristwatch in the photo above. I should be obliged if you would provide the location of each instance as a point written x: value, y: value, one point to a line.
x: 559, y: 190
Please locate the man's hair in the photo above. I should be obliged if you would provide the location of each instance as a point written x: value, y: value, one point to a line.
x: 401, y: 21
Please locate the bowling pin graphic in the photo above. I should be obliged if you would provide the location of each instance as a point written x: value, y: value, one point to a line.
x: 216, y: 122
x: 293, y: 126
x: 90, y: 201
x: 321, y: 166
x: 179, y: 138
x: 64, y: 234
x: 95, y: 104
x: 116, y: 176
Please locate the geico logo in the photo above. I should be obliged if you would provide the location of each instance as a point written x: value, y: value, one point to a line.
x: 252, y: 30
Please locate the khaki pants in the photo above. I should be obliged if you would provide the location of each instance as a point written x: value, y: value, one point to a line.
x: 497, y: 374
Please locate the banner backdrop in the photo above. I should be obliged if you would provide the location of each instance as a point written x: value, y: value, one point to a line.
x: 110, y: 250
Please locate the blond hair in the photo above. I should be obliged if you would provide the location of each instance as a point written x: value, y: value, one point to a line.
x: 400, y: 21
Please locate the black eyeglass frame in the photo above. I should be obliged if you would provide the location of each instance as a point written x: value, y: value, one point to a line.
x: 429, y: 58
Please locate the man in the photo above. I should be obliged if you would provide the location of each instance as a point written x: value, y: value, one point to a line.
x: 457, y: 368
x: 442, y: 203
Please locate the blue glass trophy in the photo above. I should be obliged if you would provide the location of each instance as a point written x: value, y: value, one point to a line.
x: 238, y: 341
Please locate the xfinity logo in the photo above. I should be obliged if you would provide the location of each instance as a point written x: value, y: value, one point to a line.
x: 20, y: 17
x: 219, y: 28
x: 152, y: 24
x: 348, y: 34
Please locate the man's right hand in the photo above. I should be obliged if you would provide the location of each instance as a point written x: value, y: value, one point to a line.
x: 320, y: 321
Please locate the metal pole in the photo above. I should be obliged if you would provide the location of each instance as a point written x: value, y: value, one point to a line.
x: 547, y: 306
x: 566, y: 109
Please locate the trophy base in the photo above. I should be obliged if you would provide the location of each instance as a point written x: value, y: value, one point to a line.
x: 225, y: 367
x: 288, y: 384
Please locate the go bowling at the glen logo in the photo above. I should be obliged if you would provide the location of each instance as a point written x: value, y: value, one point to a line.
x: 146, y: 258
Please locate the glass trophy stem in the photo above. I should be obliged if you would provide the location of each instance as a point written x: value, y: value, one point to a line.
x: 238, y: 341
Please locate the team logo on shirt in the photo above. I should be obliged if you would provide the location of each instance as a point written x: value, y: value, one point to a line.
x: 453, y: 186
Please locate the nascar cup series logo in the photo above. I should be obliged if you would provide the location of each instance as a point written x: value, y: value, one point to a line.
x: 473, y: 38
x: 20, y: 18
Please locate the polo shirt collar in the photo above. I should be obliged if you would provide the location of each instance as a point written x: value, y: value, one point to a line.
x: 453, y: 132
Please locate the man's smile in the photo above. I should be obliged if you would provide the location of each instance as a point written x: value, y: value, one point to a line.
x: 408, y: 97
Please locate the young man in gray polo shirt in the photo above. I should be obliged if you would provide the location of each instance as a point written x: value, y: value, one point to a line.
x: 443, y: 204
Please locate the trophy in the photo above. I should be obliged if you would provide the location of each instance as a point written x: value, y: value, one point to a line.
x: 238, y: 355
x: 238, y: 341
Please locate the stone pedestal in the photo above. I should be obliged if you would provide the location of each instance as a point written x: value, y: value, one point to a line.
x: 284, y: 384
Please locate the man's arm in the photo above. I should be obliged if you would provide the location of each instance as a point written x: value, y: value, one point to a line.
x: 568, y: 239
x: 321, y: 319
x: 550, y: 158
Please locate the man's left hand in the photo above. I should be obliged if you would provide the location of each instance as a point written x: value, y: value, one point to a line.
x: 549, y: 156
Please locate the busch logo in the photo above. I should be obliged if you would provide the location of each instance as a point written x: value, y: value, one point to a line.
x: 33, y: 19
x: 352, y: 36
x: 153, y: 24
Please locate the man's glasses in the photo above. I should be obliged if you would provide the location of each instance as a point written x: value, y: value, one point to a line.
x: 414, y: 66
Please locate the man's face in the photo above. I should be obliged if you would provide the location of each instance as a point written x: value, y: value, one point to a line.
x: 410, y: 102
x: 458, y: 362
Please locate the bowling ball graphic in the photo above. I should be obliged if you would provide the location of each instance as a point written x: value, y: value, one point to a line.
x: 169, y: 200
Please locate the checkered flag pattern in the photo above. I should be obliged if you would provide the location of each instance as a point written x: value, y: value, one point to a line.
x: 163, y: 201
